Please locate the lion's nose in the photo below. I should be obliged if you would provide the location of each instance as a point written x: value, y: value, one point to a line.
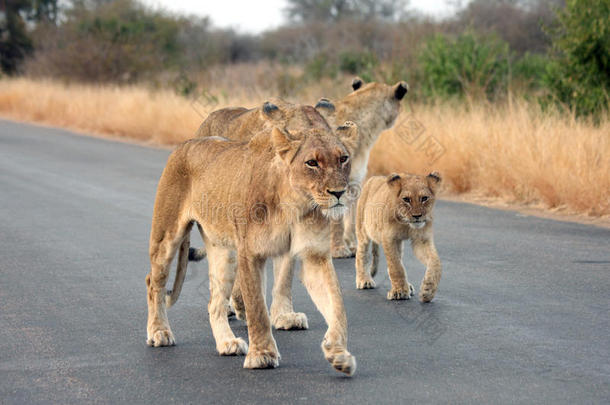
x: 337, y: 194
x: 418, y: 216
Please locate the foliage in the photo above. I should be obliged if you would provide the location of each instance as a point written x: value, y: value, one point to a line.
x: 335, y: 10
x: 579, y: 75
x: 358, y: 63
x: 118, y: 41
x: 529, y: 70
x: 15, y: 43
x: 320, y: 66
x: 467, y: 65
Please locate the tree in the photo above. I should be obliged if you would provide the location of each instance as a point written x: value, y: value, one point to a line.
x: 15, y: 42
x: 579, y: 75
x: 335, y: 10
x: 518, y: 22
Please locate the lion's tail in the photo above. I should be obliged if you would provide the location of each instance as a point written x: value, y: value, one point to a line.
x: 196, y: 255
x: 183, y: 256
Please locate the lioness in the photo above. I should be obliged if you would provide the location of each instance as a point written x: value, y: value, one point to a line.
x: 253, y: 200
x: 390, y: 210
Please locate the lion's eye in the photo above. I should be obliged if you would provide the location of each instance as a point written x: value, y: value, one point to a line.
x: 312, y: 163
x: 424, y: 198
x: 407, y: 200
x: 343, y: 159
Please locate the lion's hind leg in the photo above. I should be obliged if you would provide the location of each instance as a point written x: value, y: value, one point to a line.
x: 375, y: 260
x: 282, y: 312
x: 164, y: 243
x: 223, y: 266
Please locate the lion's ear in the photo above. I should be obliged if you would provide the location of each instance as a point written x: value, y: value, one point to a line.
x: 393, y: 178
x: 400, y: 89
x: 357, y: 83
x: 272, y: 111
x: 281, y: 143
x: 348, y: 135
x: 325, y: 107
x: 434, y: 181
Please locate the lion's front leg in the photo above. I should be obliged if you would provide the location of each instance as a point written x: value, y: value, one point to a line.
x: 222, y: 269
x: 338, y: 247
x: 321, y: 281
x: 282, y: 312
x: 425, y: 251
x: 401, y: 288
x: 263, y: 351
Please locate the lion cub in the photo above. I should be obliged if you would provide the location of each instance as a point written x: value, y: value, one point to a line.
x: 390, y: 210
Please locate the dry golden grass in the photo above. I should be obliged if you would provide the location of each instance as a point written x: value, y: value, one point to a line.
x: 514, y: 153
x: 159, y: 117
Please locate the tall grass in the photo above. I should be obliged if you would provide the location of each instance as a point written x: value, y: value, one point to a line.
x: 514, y: 152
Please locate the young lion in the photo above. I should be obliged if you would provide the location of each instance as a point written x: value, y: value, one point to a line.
x: 390, y: 210
x: 253, y: 200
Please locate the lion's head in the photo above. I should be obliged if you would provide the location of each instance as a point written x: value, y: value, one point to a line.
x: 415, y: 197
x: 318, y: 164
x: 291, y: 117
x: 373, y: 106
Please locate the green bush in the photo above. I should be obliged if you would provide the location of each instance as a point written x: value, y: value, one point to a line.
x: 529, y: 70
x: 467, y: 65
x: 320, y: 66
x: 358, y: 63
x: 118, y: 41
x: 579, y: 74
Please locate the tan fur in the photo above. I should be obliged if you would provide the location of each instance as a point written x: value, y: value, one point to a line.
x: 253, y: 200
x: 241, y: 124
x: 385, y: 218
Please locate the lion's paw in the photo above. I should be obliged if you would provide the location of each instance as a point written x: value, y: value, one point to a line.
x: 162, y: 337
x: 240, y: 314
x: 342, y: 252
x: 343, y: 362
x: 427, y: 292
x: 401, y: 293
x: 233, y: 347
x: 262, y: 359
x: 291, y: 320
x: 365, y: 284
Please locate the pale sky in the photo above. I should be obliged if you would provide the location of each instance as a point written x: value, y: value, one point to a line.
x: 254, y: 16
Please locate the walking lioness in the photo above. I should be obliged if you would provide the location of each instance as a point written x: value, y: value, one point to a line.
x: 253, y: 200
x: 390, y: 210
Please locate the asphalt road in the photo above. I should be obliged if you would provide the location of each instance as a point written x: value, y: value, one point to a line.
x: 521, y: 316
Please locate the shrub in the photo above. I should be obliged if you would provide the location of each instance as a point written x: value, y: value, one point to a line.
x: 578, y: 76
x: 529, y: 70
x: 467, y: 65
x: 119, y: 41
x: 320, y: 66
x: 358, y: 63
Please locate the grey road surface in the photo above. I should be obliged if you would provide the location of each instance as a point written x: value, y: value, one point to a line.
x: 521, y: 316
